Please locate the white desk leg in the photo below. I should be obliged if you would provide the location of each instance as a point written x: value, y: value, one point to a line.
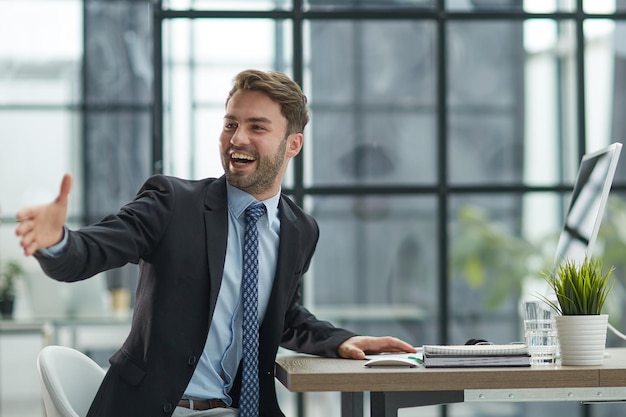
x: 351, y: 404
x: 386, y: 404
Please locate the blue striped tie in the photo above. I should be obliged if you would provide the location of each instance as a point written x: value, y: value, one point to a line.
x: 249, y: 398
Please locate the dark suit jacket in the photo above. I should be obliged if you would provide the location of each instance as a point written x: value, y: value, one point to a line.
x: 177, y: 231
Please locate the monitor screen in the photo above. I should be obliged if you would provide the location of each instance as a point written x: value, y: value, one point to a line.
x: 584, y: 214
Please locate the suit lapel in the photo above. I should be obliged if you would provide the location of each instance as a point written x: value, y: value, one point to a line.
x: 287, y: 257
x: 216, y: 235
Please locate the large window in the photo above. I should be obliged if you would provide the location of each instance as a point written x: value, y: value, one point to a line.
x: 40, y: 113
x: 443, y: 144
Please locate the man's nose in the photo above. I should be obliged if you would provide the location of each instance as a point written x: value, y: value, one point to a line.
x: 239, y: 137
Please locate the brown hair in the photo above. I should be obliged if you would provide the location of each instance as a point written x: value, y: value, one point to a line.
x: 281, y: 89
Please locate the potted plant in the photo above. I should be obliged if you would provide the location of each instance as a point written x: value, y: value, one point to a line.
x: 9, y: 275
x: 581, y: 289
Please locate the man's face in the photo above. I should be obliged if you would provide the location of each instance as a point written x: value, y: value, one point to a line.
x: 254, y: 146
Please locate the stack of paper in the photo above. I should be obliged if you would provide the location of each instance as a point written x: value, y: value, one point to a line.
x: 443, y: 356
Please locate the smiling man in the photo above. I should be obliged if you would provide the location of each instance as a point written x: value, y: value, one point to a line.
x: 196, y: 347
x: 257, y: 142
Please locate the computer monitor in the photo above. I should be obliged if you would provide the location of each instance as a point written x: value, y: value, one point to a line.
x: 586, y: 208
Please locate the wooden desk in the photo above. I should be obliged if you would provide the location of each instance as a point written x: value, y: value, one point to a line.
x: 392, y: 388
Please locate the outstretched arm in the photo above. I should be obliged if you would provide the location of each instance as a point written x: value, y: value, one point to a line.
x: 42, y: 226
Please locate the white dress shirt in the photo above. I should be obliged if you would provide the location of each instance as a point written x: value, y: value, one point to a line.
x: 218, y: 364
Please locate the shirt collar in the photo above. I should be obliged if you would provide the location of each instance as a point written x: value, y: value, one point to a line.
x: 239, y: 200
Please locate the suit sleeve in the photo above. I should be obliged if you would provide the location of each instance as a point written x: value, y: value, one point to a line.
x: 303, y: 332
x: 307, y: 334
x: 118, y: 238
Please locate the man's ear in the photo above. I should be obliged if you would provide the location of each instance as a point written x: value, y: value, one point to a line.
x: 294, y: 144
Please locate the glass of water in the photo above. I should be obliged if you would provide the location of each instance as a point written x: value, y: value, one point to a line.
x: 540, y: 332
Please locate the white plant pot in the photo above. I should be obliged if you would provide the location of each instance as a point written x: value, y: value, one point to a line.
x: 582, y: 339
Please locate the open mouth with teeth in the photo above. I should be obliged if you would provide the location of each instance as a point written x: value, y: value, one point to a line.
x: 241, y: 158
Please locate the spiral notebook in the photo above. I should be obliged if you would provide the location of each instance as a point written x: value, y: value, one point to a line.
x: 451, y: 356
x: 476, y: 350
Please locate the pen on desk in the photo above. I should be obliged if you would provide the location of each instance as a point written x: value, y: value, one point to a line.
x: 416, y: 359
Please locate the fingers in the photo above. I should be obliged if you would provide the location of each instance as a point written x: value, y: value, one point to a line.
x: 28, y: 241
x: 26, y: 229
x: 66, y: 187
x: 42, y: 226
x: 62, y: 198
x: 357, y: 347
x: 356, y: 354
x: 348, y: 350
x: 23, y: 226
x: 29, y: 244
x: 396, y: 345
x: 26, y: 219
x: 25, y: 214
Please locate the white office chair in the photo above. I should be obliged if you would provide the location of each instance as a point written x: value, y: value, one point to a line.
x: 69, y: 381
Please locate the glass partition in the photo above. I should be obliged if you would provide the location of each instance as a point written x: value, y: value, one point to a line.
x: 373, y: 121
x: 40, y: 119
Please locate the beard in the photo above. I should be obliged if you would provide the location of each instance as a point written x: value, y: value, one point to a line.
x: 261, y: 180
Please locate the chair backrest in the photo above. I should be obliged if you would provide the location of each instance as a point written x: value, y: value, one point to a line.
x: 69, y: 381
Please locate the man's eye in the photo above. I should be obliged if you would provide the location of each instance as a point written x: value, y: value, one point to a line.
x: 229, y: 126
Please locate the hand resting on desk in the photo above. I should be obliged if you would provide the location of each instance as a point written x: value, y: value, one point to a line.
x: 358, y: 346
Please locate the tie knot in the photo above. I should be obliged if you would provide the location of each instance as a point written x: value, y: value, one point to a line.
x: 254, y: 212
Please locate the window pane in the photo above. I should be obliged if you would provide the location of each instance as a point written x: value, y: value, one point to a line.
x: 484, y: 5
x: 485, y: 62
x: 610, y: 248
x: 43, y: 145
x: 118, y: 52
x: 499, y: 245
x: 374, y: 108
x: 29, y: 83
x: 605, y: 86
x: 116, y: 151
x: 529, y: 6
x: 205, y: 160
x: 270, y: 42
x: 511, y: 102
x: 604, y: 6
x: 40, y: 91
x: 551, y: 133
x: 35, y: 33
x: 367, y: 4
x: 550, y: 6
x: 374, y: 270
x: 227, y: 4
x: 41, y: 62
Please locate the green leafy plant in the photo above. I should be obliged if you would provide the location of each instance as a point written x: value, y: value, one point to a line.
x: 581, y: 288
x: 489, y: 256
x: 9, y: 275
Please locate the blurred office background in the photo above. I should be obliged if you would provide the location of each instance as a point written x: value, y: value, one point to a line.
x: 444, y: 141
